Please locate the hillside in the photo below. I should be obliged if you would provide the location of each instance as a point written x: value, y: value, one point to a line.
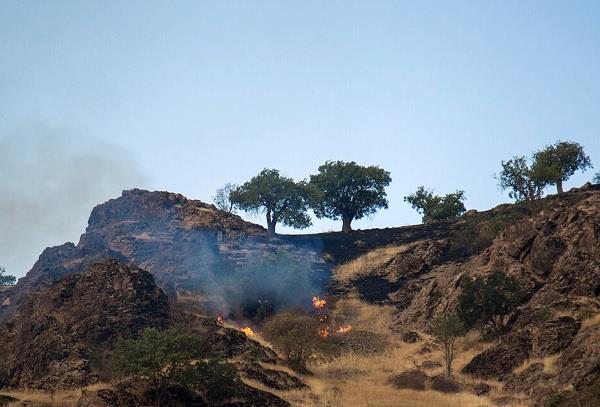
x: 388, y: 283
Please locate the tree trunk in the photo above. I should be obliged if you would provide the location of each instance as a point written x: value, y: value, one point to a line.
x: 346, y: 224
x: 559, y: 186
x: 270, y: 223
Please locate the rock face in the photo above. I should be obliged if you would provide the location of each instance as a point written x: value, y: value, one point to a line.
x: 58, y: 336
x: 187, y: 245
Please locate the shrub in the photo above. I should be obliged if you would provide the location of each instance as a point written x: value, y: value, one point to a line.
x: 411, y: 379
x: 296, y: 336
x: 446, y: 330
x: 6, y: 279
x: 489, y: 301
x: 434, y: 207
x: 175, y: 356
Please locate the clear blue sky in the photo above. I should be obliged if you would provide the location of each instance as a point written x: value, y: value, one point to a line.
x: 195, y: 94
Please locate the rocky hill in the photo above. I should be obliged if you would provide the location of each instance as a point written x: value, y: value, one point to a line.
x: 551, y: 246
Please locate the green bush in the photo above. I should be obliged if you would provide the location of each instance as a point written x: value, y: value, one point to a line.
x: 489, y: 301
x: 446, y: 330
x: 175, y: 356
x: 6, y: 279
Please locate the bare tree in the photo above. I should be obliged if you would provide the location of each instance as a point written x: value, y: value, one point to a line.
x: 221, y: 198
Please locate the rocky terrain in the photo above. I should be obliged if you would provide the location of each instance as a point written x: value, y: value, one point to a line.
x: 551, y: 246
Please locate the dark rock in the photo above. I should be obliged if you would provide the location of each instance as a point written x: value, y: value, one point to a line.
x: 481, y: 389
x: 275, y: 379
x: 410, y: 337
x: 411, y: 379
x: 556, y: 335
x: 501, y: 359
x: 445, y: 384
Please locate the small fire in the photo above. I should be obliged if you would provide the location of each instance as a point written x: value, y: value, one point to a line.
x: 324, y: 332
x: 248, y: 331
x: 318, y: 302
x: 344, y: 329
x: 220, y: 320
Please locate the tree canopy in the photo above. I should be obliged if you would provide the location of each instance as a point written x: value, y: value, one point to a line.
x: 596, y: 178
x: 348, y: 191
x: 446, y: 329
x: 518, y: 177
x: 6, y: 279
x: 558, y: 162
x: 280, y: 198
x: 434, y: 207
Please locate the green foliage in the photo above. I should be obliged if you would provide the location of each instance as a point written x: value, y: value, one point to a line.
x: 518, y: 177
x: 596, y: 179
x: 446, y: 329
x: 282, y: 199
x: 6, y: 279
x: 489, y: 301
x: 348, y: 191
x: 295, y: 335
x: 558, y: 162
x: 434, y: 207
x: 268, y: 284
x: 175, y: 356
x: 221, y: 198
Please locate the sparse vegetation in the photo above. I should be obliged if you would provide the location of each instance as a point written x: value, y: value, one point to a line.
x: 489, y: 301
x: 446, y: 329
x: 295, y: 336
x: 6, y: 279
x: 434, y: 207
x: 222, y: 200
x: 596, y: 179
x: 348, y: 191
x: 281, y: 199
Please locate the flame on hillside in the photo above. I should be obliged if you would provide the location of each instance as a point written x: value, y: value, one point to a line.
x: 318, y: 302
x: 248, y: 331
x: 324, y: 332
x: 344, y: 329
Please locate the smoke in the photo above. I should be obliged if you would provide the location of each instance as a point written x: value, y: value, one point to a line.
x: 50, y: 179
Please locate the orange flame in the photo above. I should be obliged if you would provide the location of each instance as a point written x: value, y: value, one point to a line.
x: 344, y: 329
x: 248, y: 331
x: 324, y: 332
x: 220, y: 320
x: 318, y: 302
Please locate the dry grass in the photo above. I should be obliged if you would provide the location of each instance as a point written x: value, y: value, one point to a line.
x: 595, y: 320
x: 367, y: 262
x: 64, y: 398
x: 549, y: 363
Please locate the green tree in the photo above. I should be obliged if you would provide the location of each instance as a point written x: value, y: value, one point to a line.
x: 558, y: 162
x: 175, y: 356
x: 518, y: 177
x: 282, y: 199
x: 596, y: 179
x: 434, y: 207
x: 348, y: 191
x: 6, y: 279
x: 221, y: 198
x: 294, y: 335
x: 489, y: 301
x: 446, y: 329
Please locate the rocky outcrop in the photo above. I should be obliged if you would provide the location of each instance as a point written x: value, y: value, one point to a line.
x: 59, y: 335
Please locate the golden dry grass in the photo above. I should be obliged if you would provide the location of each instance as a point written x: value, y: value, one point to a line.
x: 367, y: 262
x: 64, y: 398
x: 363, y: 380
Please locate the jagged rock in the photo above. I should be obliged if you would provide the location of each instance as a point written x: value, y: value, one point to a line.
x: 445, y: 384
x: 501, y: 359
x: 430, y: 364
x: 58, y: 332
x: 411, y: 379
x: 108, y: 398
x: 556, y: 335
x: 579, y: 364
x: 526, y: 381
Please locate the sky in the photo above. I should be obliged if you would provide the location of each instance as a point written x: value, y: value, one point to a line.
x: 97, y: 97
